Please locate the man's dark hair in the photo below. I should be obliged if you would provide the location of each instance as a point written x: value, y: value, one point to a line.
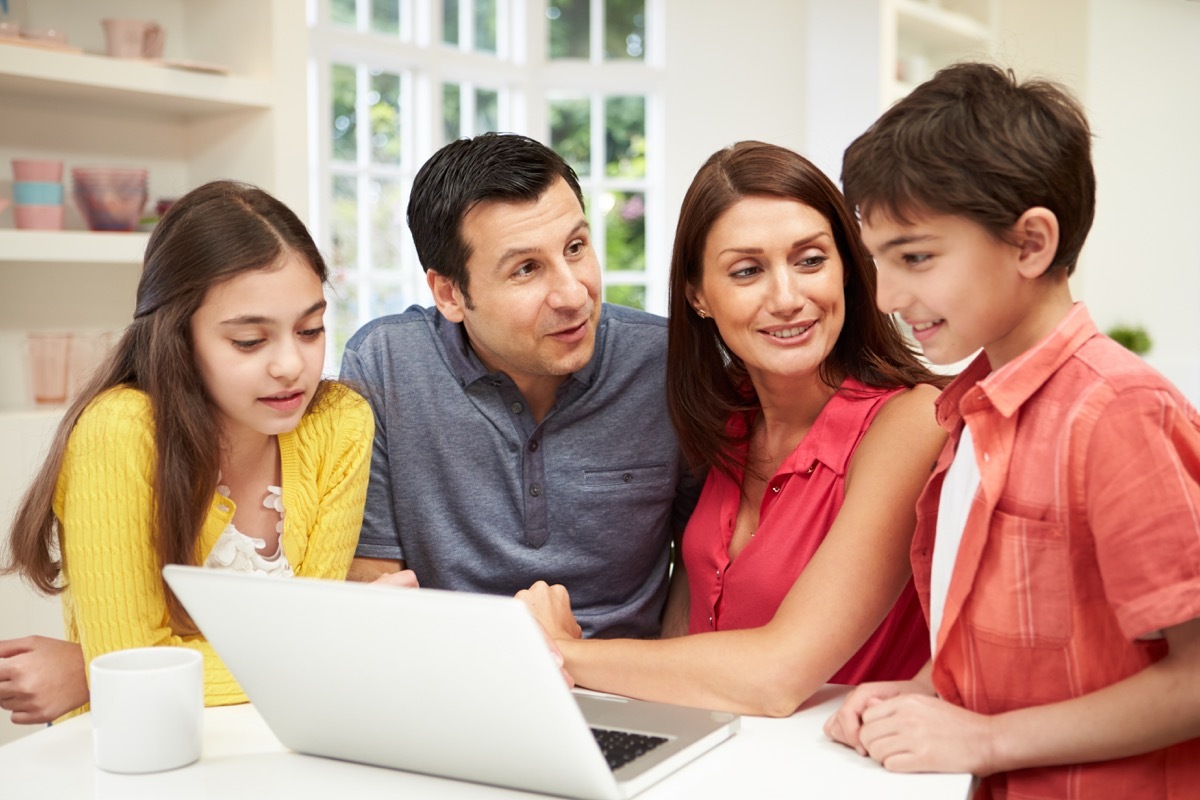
x: 502, y: 167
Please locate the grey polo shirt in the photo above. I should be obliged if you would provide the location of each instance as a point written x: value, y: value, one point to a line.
x: 475, y: 496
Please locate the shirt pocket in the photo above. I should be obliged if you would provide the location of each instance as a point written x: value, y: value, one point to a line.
x: 642, y: 477
x: 1022, y: 592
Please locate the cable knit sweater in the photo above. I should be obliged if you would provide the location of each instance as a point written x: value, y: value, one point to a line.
x: 114, y: 598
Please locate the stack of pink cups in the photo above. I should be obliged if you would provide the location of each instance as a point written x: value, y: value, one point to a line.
x: 37, y: 194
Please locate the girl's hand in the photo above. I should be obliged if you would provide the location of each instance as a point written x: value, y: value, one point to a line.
x: 41, y: 679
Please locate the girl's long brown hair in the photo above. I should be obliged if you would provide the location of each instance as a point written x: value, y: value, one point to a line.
x: 706, y: 382
x: 208, y: 236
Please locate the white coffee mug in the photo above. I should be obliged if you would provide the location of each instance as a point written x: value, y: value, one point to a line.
x: 147, y: 708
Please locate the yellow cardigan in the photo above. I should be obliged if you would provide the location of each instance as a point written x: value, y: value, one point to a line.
x: 113, y: 597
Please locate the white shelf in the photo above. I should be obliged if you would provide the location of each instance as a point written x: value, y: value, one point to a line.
x: 940, y: 28
x: 88, y: 80
x: 73, y: 247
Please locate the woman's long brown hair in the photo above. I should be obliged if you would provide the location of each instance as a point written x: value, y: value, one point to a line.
x: 706, y: 382
x: 213, y: 233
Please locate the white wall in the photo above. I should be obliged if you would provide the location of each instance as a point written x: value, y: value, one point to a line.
x: 734, y: 71
x: 1143, y: 257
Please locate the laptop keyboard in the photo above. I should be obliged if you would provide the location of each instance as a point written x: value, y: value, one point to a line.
x: 621, y: 747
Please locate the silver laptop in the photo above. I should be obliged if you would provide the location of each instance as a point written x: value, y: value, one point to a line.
x: 445, y: 683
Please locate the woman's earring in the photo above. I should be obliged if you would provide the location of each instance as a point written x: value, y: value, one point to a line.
x: 700, y: 313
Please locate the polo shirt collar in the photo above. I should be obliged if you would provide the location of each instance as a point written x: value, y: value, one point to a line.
x: 1009, y: 387
x: 467, y: 368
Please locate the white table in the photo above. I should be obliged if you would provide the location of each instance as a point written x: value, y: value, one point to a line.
x: 242, y: 759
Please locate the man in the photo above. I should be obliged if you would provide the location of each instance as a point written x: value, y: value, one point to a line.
x: 521, y: 426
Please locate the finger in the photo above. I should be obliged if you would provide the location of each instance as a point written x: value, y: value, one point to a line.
x: 11, y: 647
x: 30, y: 718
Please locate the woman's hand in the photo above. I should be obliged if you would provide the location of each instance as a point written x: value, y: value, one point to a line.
x: 551, y: 606
x: 41, y: 678
x: 404, y: 579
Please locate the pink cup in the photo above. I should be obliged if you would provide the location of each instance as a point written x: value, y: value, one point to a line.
x: 37, y: 169
x: 38, y: 218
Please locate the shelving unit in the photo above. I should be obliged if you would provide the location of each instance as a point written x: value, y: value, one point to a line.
x: 238, y: 112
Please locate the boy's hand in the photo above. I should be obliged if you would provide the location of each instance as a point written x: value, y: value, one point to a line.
x: 919, y: 733
x: 845, y: 725
x: 41, y: 679
x: 404, y: 579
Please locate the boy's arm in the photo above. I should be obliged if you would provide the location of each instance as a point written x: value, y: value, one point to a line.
x: 1149, y: 710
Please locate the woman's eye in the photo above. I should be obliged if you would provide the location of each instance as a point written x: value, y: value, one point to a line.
x: 813, y: 262
x: 312, y: 333
x: 745, y: 272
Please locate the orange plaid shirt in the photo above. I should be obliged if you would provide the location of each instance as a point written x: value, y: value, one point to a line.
x: 1084, y: 537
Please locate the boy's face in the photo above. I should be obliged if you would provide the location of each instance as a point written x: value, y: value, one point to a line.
x: 955, y: 284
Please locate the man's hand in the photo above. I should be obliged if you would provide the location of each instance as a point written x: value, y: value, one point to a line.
x: 41, y: 678
x: 404, y: 579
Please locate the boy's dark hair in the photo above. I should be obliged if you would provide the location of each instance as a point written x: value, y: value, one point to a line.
x: 976, y: 143
x: 492, y: 166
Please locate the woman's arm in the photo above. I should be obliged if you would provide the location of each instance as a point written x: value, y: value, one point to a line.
x: 841, y: 597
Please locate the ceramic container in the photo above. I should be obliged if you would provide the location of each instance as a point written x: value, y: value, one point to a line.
x: 41, y: 218
x: 37, y: 169
x: 37, y: 193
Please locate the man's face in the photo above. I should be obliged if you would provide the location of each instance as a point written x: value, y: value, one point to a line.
x: 533, y: 289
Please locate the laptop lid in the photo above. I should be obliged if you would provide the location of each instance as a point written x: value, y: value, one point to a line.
x: 446, y: 683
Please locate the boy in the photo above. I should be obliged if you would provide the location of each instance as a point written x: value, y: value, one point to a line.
x: 1057, y: 550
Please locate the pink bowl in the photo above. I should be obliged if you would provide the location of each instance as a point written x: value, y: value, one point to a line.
x: 110, y: 199
x: 37, y: 169
x: 38, y: 218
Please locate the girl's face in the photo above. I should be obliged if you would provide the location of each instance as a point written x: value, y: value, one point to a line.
x: 260, y: 346
x: 771, y: 280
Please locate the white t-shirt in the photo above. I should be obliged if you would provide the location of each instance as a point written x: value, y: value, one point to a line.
x: 958, y: 491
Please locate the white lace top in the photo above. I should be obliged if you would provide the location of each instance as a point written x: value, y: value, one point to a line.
x: 237, y: 552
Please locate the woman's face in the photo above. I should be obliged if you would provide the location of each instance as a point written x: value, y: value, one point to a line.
x: 772, y: 282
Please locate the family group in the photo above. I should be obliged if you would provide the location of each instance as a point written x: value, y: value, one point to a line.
x: 764, y: 492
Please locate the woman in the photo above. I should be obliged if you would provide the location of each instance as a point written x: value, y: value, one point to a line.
x: 815, y: 421
x: 208, y: 437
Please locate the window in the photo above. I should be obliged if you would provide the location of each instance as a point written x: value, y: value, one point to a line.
x: 394, y: 80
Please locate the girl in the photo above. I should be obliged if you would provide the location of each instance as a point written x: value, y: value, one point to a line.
x: 208, y: 437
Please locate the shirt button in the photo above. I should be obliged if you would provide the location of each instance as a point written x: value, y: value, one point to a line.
x: 517, y: 408
x: 718, y: 573
x: 535, y: 490
x: 533, y: 446
x: 710, y: 622
x: 627, y: 477
x: 986, y: 458
x: 224, y: 509
x: 775, y: 489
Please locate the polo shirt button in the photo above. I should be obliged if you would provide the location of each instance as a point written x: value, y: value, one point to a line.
x: 517, y: 408
x: 535, y: 490
x: 224, y: 509
x: 533, y: 446
x: 627, y: 477
x: 986, y: 458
